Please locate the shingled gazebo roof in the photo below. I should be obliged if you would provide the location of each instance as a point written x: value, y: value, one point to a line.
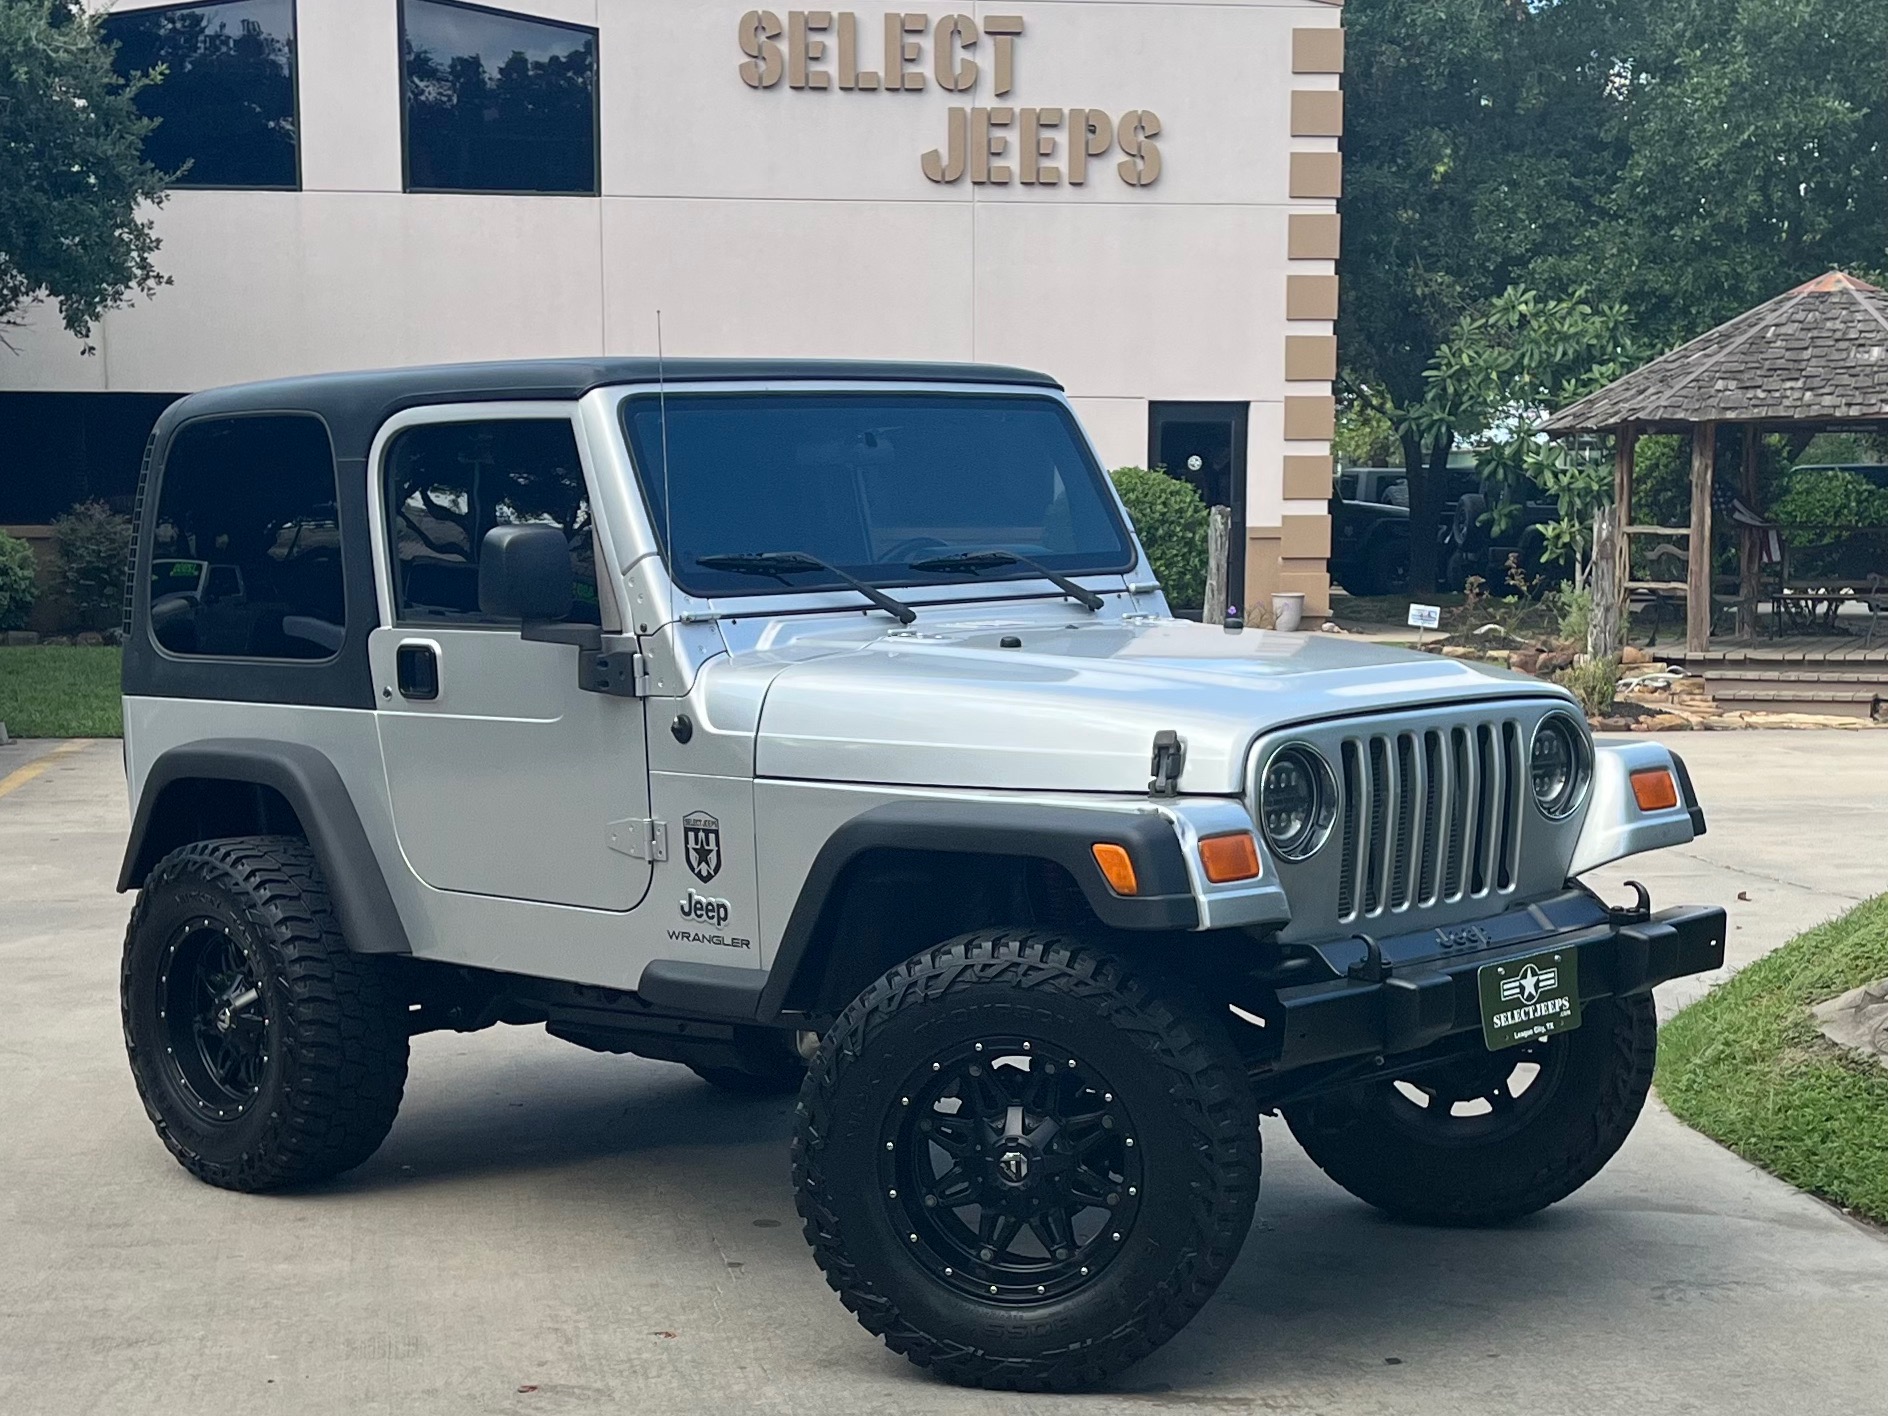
x: 1816, y: 354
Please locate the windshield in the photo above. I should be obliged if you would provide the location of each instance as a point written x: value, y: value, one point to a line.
x: 870, y: 482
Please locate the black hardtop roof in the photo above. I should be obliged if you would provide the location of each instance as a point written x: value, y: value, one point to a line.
x: 383, y: 391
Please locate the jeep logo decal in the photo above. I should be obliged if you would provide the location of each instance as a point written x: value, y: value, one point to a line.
x: 701, y: 845
x: 703, y: 908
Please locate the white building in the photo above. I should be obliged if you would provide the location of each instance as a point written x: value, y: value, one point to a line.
x: 1139, y: 198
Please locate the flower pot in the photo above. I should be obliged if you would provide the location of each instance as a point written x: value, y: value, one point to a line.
x: 1288, y: 610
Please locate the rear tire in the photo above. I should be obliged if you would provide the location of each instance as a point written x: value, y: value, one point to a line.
x: 265, y: 1052
x: 1103, y: 1124
x: 1421, y: 1161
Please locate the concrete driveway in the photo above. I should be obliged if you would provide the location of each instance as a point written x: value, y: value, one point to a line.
x: 551, y: 1231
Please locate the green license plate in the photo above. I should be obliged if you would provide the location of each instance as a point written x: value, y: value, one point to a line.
x: 1525, y: 1000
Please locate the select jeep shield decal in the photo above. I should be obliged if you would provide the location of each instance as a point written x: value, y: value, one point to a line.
x: 701, y: 845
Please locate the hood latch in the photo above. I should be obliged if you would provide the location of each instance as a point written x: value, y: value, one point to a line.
x: 1170, y: 757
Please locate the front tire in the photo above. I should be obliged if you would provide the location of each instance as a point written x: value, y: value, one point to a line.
x: 1023, y: 1164
x: 1481, y: 1141
x: 265, y: 1052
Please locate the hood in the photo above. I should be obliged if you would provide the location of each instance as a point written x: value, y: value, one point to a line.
x: 1076, y: 707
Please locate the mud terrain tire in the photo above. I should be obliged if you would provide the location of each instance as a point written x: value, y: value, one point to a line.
x: 1123, y: 1091
x: 265, y: 1052
x: 1421, y: 1164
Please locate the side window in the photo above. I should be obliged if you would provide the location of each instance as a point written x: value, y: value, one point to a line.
x: 447, y: 484
x: 246, y: 547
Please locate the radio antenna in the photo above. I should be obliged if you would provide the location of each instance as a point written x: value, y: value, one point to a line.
x: 662, y: 419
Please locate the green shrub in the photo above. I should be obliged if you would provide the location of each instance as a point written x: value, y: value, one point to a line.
x: 1594, y: 682
x: 1832, y: 499
x: 18, y: 589
x: 94, y: 551
x: 1170, y: 519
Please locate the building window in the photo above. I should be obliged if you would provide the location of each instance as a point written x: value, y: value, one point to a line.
x: 246, y: 546
x: 447, y: 484
x: 225, y: 108
x: 497, y: 102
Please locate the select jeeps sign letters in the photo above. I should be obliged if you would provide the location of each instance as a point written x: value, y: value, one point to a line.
x: 1040, y: 147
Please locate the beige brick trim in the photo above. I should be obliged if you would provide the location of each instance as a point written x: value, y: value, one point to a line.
x: 1310, y: 297
x: 1310, y: 358
x: 1317, y: 174
x: 1307, y: 477
x: 1317, y: 113
x: 1310, y: 418
x: 1305, y: 538
x: 1317, y: 51
x: 1312, y: 235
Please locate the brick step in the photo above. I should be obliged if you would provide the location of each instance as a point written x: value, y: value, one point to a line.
x: 1837, y: 702
x: 1875, y: 675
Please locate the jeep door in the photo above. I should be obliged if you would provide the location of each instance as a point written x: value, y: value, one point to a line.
x: 505, y: 778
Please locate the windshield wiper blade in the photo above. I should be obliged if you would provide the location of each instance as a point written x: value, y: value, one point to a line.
x: 781, y: 564
x: 975, y: 562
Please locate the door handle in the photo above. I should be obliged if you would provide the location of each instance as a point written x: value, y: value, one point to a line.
x: 416, y: 670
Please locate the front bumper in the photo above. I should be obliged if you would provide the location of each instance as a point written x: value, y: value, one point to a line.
x: 1419, y: 988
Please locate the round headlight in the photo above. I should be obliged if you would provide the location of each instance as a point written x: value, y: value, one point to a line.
x: 1557, y: 767
x: 1297, y: 802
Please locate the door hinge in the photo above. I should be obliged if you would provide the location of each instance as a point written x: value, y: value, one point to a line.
x: 640, y: 838
x: 619, y: 671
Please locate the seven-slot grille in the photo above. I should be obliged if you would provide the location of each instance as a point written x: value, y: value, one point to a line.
x: 1429, y: 816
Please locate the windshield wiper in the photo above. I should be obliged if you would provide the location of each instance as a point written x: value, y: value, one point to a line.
x: 975, y: 562
x: 781, y: 564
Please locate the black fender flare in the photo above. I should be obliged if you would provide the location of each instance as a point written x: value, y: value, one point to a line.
x: 313, y: 789
x: 1064, y: 835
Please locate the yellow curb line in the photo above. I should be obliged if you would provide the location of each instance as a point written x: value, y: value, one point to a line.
x: 14, y: 780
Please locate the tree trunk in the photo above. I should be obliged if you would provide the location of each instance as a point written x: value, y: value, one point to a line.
x: 1218, y: 549
x: 1604, y: 639
x: 1425, y: 468
x: 1704, y: 444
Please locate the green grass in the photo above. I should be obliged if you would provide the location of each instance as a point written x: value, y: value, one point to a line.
x: 55, y: 691
x: 1747, y: 1066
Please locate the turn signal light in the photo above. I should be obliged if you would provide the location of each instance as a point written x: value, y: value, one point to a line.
x: 1116, y: 868
x: 1654, y: 789
x: 1234, y: 856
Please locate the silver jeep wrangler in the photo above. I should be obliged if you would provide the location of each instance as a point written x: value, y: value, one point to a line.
x: 821, y: 727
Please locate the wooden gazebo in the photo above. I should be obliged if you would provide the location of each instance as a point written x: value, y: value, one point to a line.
x: 1812, y: 360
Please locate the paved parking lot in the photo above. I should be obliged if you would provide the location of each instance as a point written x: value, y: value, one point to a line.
x: 547, y: 1230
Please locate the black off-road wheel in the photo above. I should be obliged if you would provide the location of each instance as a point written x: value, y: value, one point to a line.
x: 1491, y: 1136
x: 266, y: 1054
x: 1024, y: 1164
x: 770, y: 1065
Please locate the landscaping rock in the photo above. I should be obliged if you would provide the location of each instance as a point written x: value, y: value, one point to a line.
x: 1663, y: 723
x: 57, y: 641
x: 20, y: 638
x: 1554, y: 661
x: 1526, y: 660
x: 91, y: 639
x: 1633, y: 654
x: 1460, y: 651
x: 1858, y: 1020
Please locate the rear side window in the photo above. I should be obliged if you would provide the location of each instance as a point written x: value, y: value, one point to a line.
x: 246, y: 545
x: 447, y: 484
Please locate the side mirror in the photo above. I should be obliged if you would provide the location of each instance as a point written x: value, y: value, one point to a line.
x: 524, y: 573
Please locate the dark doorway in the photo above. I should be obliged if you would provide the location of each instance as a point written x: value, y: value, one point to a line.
x: 1205, y: 444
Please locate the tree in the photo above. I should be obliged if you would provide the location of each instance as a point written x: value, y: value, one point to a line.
x: 1475, y: 143
x: 72, y: 173
x: 1753, y: 155
x: 1501, y: 373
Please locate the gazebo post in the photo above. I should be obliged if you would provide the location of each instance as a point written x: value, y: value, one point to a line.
x: 1611, y: 551
x: 1704, y: 445
x: 1749, y: 555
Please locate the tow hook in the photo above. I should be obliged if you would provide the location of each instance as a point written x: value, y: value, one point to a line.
x: 1638, y: 912
x: 1370, y: 968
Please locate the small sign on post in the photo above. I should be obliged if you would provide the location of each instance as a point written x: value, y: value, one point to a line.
x: 1423, y: 617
